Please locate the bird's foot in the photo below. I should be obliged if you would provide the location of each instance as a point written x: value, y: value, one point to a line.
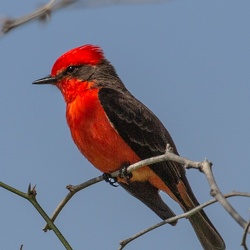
x: 111, y: 180
x: 124, y: 172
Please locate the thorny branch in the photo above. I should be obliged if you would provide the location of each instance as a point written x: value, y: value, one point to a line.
x: 73, y: 190
x: 31, y: 197
x: 205, y: 167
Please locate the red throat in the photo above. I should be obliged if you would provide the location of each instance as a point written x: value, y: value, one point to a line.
x: 71, y: 88
x: 94, y: 135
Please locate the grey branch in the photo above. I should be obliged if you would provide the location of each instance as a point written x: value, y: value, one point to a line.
x: 181, y: 216
x: 205, y: 167
x: 42, y: 14
x: 31, y: 197
x: 244, y: 238
x: 73, y: 190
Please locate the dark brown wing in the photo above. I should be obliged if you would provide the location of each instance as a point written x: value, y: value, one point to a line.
x: 147, y: 136
x: 143, y: 132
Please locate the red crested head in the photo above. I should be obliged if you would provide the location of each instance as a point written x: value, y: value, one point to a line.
x: 86, y: 54
x: 80, y: 69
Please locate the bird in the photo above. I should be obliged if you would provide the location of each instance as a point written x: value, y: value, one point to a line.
x: 113, y: 130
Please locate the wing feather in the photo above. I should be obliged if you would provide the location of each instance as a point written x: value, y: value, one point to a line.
x: 141, y: 130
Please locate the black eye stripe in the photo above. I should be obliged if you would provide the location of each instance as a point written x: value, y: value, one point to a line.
x: 81, y: 72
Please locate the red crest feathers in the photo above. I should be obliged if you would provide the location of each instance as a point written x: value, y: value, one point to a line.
x: 86, y: 54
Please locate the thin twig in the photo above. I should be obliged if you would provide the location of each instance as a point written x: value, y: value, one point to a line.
x: 206, y: 168
x: 168, y: 156
x: 43, y: 13
x: 244, y: 238
x: 175, y: 218
x: 73, y: 190
x: 31, y: 197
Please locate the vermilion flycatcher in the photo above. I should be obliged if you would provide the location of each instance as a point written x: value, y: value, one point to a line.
x: 113, y: 129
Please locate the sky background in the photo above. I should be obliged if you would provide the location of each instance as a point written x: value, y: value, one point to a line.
x: 186, y: 60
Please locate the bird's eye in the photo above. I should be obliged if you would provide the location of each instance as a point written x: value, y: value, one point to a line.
x: 71, y: 69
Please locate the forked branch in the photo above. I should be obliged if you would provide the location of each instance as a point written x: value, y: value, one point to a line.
x: 205, y: 167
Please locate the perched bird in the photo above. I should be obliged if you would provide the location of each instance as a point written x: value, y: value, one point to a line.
x: 112, y: 129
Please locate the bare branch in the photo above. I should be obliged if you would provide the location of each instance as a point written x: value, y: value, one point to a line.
x: 168, y: 156
x: 206, y: 168
x: 244, y: 238
x: 73, y: 190
x: 181, y: 216
x: 42, y: 13
x: 31, y: 197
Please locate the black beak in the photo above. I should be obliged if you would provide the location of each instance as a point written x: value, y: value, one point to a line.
x: 46, y: 80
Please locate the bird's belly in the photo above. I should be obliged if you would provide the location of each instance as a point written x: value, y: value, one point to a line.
x: 96, y: 137
x: 103, y: 147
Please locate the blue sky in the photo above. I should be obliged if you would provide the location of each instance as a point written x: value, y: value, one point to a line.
x: 186, y: 60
